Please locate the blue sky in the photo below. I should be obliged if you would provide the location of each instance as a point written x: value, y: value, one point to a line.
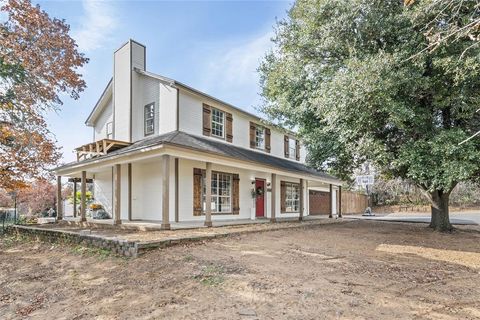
x: 213, y: 46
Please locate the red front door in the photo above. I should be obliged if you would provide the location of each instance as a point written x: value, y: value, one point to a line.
x: 260, y: 199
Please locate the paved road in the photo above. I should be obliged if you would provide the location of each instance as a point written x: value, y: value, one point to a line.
x: 465, y: 218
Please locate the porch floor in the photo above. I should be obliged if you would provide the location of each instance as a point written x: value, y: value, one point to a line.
x: 149, y: 233
x: 152, y: 225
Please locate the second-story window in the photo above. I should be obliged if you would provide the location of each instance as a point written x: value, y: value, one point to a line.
x: 149, y: 118
x: 109, y: 130
x: 292, y: 148
x: 218, y: 121
x: 260, y: 137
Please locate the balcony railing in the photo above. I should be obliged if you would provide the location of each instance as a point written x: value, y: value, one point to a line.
x: 99, y: 148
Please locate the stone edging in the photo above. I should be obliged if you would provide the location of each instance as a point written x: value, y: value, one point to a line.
x: 131, y: 248
x: 117, y: 246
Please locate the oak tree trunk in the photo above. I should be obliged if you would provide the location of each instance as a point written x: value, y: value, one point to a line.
x: 440, y: 216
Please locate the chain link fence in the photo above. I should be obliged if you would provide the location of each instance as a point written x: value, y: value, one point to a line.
x: 8, y: 217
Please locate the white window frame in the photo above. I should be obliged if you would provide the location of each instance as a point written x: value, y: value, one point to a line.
x: 109, y: 130
x: 217, y: 125
x: 149, y: 119
x: 216, y: 193
x: 292, y: 148
x: 260, y: 137
x: 292, y: 197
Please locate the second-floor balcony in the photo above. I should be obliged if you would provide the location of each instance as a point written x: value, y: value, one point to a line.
x: 98, y: 148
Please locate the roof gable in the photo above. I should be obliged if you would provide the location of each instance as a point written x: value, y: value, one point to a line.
x: 101, y: 104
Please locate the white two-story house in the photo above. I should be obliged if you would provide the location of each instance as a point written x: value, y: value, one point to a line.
x: 157, y: 143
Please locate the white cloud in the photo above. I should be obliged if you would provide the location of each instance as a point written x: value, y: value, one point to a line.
x: 230, y: 69
x: 97, y: 24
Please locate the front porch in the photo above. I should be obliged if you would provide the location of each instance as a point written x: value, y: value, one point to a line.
x: 165, y: 186
x: 146, y: 225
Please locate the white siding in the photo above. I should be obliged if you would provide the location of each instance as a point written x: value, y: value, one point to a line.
x: 277, y: 139
x: 103, y: 185
x: 190, y: 114
x: 130, y: 56
x: 121, y: 93
x: 147, y: 190
x: 145, y: 91
x: 100, y: 129
x: 241, y: 130
x: 167, y: 109
x: 138, y: 56
x: 303, y: 153
x: 191, y: 121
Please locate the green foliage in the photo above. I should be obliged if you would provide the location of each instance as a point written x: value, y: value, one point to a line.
x: 100, y: 253
x: 352, y: 77
x: 211, y: 275
x: 88, y: 196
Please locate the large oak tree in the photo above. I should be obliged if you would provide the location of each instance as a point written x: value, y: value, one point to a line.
x: 353, y: 77
x: 39, y: 63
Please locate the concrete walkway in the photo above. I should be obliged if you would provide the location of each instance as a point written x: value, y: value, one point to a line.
x: 459, y: 218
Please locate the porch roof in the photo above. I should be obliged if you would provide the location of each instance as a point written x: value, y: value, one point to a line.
x: 198, y: 143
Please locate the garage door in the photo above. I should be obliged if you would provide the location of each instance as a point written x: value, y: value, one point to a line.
x: 319, y: 202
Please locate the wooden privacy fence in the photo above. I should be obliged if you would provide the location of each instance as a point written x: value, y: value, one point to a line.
x: 353, y: 202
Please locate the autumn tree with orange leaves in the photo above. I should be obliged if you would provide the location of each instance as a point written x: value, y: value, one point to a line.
x: 39, y: 61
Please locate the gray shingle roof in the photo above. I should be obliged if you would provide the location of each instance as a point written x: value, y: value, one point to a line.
x: 182, y: 139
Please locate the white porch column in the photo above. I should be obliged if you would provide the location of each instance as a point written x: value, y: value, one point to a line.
x: 59, y: 198
x: 117, y: 171
x: 274, y: 197
x: 83, y: 200
x: 166, y: 192
x: 302, y: 199
x: 208, y: 195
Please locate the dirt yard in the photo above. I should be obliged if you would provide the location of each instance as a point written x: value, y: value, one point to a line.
x: 348, y: 270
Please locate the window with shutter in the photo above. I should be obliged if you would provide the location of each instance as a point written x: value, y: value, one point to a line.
x: 229, y: 118
x: 259, y: 137
x: 267, y: 140
x: 206, y: 120
x: 225, y: 193
x: 290, y: 197
x: 252, y: 135
x: 292, y: 148
x: 297, y: 150
x: 197, y: 191
x: 218, y: 123
x: 286, y: 148
x: 236, y: 194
